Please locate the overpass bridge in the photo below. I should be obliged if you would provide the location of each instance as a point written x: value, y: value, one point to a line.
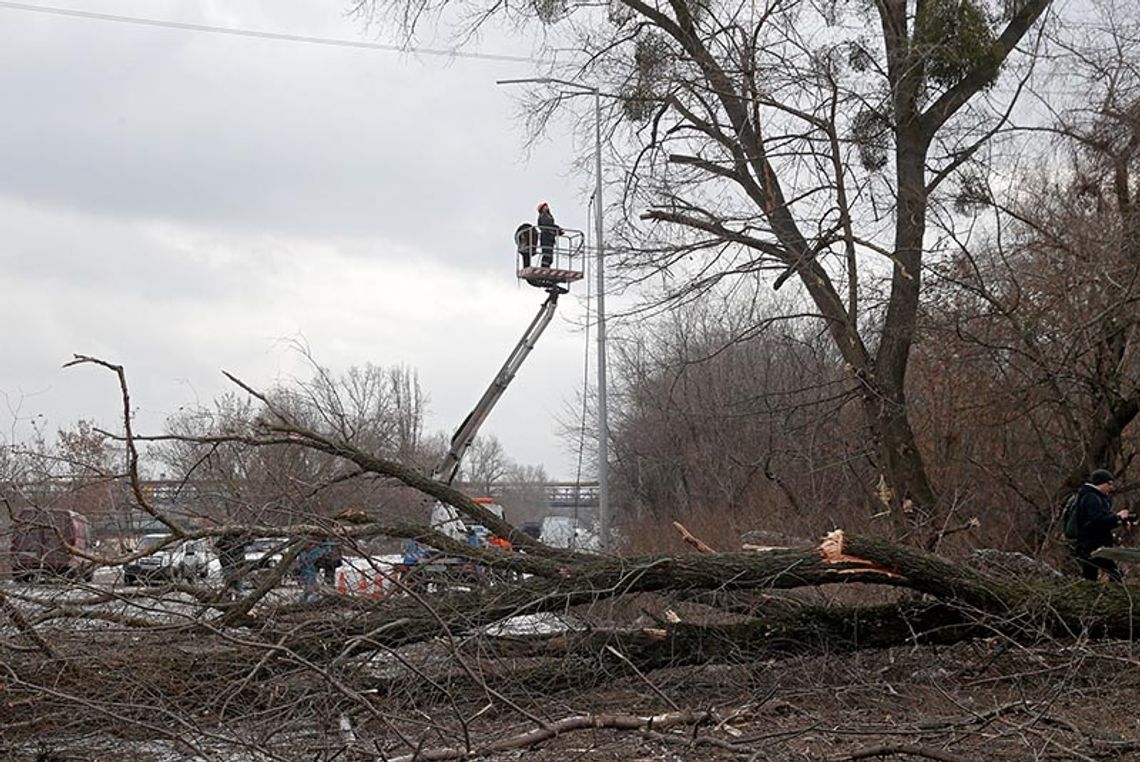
x: 572, y: 495
x: 564, y: 498
x: 187, y: 501
x: 557, y: 494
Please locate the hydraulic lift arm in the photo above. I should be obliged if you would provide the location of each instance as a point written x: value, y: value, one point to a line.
x: 449, y: 466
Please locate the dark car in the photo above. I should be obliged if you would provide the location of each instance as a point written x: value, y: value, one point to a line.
x: 156, y: 566
x: 187, y: 560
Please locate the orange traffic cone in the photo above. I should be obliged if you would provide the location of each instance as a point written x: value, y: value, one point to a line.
x: 341, y: 583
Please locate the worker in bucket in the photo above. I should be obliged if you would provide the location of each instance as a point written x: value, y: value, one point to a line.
x: 548, y: 232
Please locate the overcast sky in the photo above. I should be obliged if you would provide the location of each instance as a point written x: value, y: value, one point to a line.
x: 183, y: 202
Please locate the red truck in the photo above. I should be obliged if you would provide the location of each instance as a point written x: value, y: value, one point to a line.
x: 40, y: 540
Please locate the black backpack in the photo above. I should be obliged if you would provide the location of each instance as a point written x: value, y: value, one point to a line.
x: 526, y: 237
x: 1069, y: 524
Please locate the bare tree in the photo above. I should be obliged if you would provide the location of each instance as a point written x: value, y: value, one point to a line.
x: 730, y: 423
x: 523, y: 495
x: 485, y: 465
x: 377, y: 409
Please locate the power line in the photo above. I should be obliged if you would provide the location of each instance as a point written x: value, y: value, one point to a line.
x: 278, y: 36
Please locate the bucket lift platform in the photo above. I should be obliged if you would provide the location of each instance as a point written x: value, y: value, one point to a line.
x: 548, y: 277
x: 564, y: 258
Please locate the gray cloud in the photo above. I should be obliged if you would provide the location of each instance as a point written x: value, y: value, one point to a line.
x: 256, y: 134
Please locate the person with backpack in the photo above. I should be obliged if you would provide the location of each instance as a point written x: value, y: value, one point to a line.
x: 1089, y: 523
x: 305, y: 568
x: 526, y: 241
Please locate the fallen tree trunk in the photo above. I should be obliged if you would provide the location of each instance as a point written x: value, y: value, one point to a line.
x: 1054, y: 606
x: 810, y: 628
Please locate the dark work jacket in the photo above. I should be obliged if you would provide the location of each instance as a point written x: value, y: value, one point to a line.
x: 331, y: 555
x: 547, y: 229
x: 1095, y: 520
x: 526, y: 238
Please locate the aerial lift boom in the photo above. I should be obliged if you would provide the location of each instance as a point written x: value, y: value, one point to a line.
x: 465, y: 434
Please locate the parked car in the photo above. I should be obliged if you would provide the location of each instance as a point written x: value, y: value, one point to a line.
x: 40, y: 540
x: 187, y: 561
x: 156, y: 566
